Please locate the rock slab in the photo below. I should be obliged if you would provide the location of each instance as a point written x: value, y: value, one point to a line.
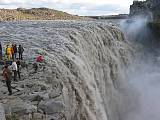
x: 2, y: 113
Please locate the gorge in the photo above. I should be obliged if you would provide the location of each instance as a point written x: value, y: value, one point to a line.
x: 93, y: 70
x: 84, y: 76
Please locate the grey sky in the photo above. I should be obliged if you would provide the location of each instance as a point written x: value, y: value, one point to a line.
x: 79, y: 7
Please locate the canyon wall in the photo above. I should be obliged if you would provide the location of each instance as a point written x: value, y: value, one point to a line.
x: 148, y: 7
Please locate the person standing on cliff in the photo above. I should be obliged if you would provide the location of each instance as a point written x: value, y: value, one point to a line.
x: 14, y: 69
x: 6, y: 52
x: 18, y: 68
x: 7, y: 76
x: 12, y: 51
x: 20, y: 51
x: 15, y: 51
x: 0, y: 51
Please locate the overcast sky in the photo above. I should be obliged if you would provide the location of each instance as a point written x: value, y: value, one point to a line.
x: 78, y: 7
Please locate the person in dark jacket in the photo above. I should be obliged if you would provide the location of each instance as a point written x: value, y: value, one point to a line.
x: 15, y: 51
x: 7, y: 74
x: 0, y: 51
x: 20, y: 50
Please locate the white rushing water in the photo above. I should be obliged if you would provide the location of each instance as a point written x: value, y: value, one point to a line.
x: 104, y: 75
x: 144, y: 73
x: 145, y: 79
x: 88, y: 58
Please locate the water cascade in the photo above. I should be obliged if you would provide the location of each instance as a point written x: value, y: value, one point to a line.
x: 83, y: 77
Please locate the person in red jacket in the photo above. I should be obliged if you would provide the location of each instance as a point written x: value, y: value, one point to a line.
x: 7, y: 76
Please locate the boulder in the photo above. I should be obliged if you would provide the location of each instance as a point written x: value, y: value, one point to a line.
x: 37, y: 96
x: 2, y: 113
x: 38, y: 116
x: 55, y: 93
x: 19, y: 107
x: 51, y: 106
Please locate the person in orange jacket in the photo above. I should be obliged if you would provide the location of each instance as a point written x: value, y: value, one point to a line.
x: 9, y: 52
x: 12, y: 51
x: 6, y: 52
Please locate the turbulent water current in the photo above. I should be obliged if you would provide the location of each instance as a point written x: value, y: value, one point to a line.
x: 87, y: 73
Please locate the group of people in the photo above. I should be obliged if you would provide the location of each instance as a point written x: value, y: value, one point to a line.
x: 12, y: 63
x: 7, y: 73
x: 11, y: 52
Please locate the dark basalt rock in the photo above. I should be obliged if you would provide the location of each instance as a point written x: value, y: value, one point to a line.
x: 148, y: 8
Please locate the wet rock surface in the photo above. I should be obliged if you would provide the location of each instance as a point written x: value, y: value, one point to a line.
x: 2, y: 112
x: 149, y: 8
x: 82, y: 77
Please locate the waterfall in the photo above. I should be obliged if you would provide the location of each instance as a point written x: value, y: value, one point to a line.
x: 89, y: 59
x: 144, y: 71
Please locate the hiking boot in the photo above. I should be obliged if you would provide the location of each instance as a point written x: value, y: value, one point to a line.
x: 10, y: 94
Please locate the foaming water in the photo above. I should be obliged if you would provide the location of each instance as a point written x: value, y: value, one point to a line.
x: 145, y: 78
x: 144, y: 73
x: 87, y: 57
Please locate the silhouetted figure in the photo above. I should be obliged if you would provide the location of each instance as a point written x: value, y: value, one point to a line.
x: 14, y: 69
x: 7, y: 75
x: 18, y: 68
x: 20, y: 51
x: 0, y: 51
x: 15, y: 51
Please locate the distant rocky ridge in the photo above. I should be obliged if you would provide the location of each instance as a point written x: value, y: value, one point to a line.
x: 120, y: 16
x: 35, y: 14
x: 148, y: 7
